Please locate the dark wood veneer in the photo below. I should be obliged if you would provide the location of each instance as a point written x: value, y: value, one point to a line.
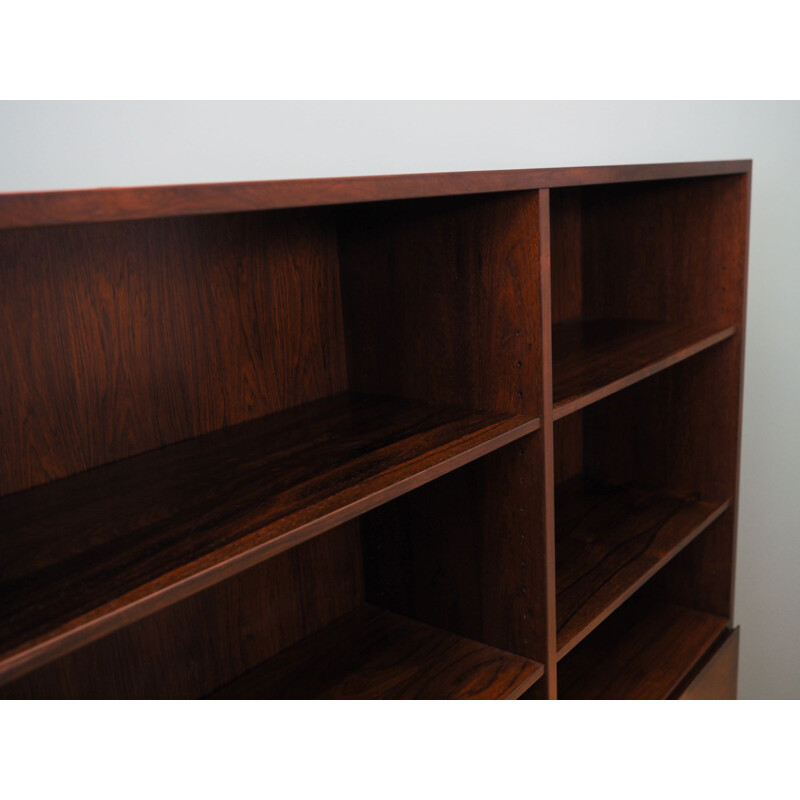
x: 609, y: 541
x: 84, y: 555
x: 372, y: 654
x: 106, y: 205
x: 645, y: 660
x: 193, y: 646
x: 121, y: 338
x: 595, y: 358
x: 717, y: 678
x: 443, y: 300
x: 332, y: 437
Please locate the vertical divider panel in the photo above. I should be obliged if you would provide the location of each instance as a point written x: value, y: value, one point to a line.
x: 548, y: 463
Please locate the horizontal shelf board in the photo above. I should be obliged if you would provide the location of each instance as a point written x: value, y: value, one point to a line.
x: 374, y: 654
x: 26, y: 209
x: 645, y: 660
x: 85, y: 555
x: 592, y: 359
x: 610, y: 541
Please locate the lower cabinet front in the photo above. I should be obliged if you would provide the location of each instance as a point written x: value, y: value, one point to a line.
x: 717, y: 679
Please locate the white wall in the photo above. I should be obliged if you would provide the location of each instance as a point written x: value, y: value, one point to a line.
x: 63, y: 145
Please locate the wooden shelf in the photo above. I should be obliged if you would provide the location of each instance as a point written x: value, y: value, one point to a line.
x: 374, y: 654
x: 609, y: 541
x: 595, y: 358
x: 84, y: 555
x: 645, y: 660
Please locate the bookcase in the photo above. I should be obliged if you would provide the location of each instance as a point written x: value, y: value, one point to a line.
x: 468, y: 435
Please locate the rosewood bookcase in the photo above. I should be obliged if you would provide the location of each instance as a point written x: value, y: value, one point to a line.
x: 468, y: 435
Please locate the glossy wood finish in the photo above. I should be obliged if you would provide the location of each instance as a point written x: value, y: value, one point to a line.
x: 595, y: 358
x: 717, y: 678
x: 107, y: 205
x: 674, y: 252
x: 89, y: 553
x: 566, y: 249
x: 678, y: 430
x: 443, y: 300
x: 546, y: 542
x: 642, y: 660
x: 670, y: 251
x: 609, y: 541
x: 373, y: 654
x: 188, y: 369
x: 121, y: 338
x: 459, y: 555
x: 192, y: 647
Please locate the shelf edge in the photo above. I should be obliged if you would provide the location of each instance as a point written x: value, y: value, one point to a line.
x: 566, y: 407
x: 636, y: 585
x: 217, y: 566
x: 365, y: 615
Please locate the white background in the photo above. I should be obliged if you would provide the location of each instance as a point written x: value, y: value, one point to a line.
x: 60, y: 145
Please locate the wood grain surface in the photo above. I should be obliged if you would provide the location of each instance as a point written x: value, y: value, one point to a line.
x: 373, y: 654
x: 595, y: 358
x: 609, y: 541
x: 121, y: 338
x: 86, y: 554
x: 645, y: 660
x: 193, y: 646
x: 442, y: 300
x: 232, y: 414
x: 717, y: 679
x: 105, y: 205
x: 678, y: 430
